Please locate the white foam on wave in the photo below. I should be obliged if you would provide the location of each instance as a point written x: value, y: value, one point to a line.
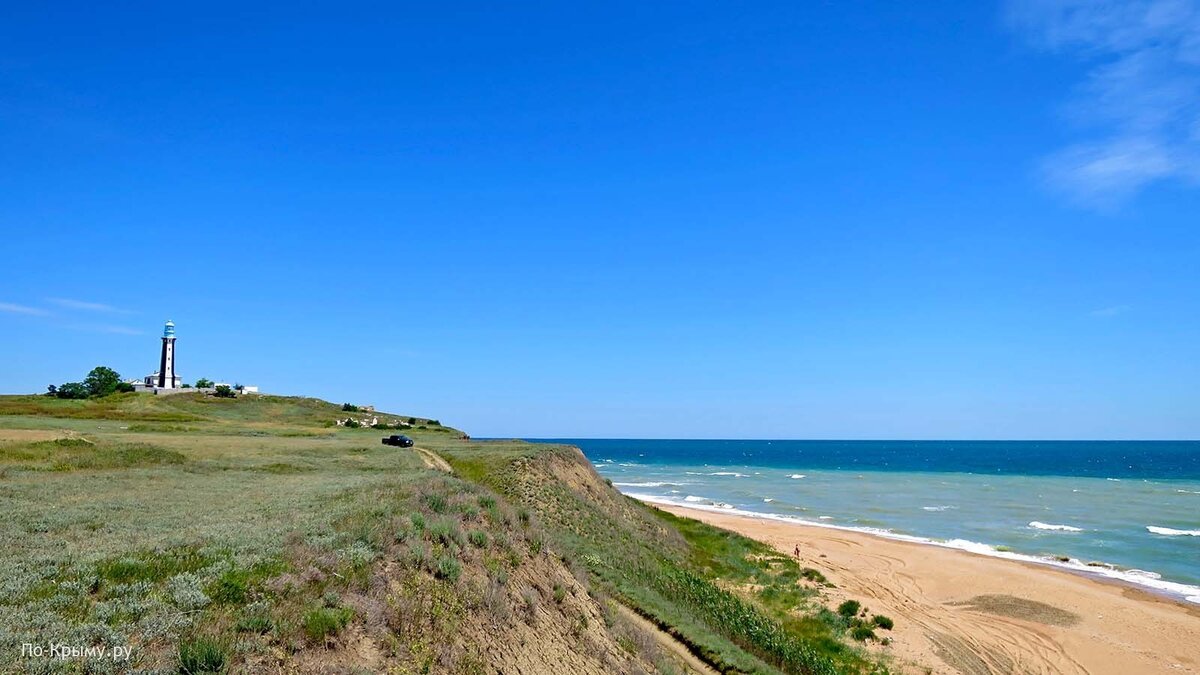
x: 1172, y: 532
x: 938, y: 508
x: 1188, y: 492
x: 1058, y: 528
x: 768, y: 500
x: 646, y: 484
x: 797, y: 475
x: 1137, y: 577
x: 728, y: 473
x: 689, y: 498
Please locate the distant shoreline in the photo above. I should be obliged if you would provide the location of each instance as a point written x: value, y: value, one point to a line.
x: 960, y: 611
x: 1186, y: 595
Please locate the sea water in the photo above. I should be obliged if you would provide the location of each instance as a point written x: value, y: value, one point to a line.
x: 1126, y: 510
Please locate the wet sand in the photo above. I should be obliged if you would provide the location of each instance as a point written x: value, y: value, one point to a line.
x: 959, y: 612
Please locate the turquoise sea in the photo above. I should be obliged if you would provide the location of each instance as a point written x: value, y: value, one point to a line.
x: 1127, y: 510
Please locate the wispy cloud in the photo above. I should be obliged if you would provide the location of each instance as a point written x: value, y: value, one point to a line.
x: 13, y: 308
x: 1141, y: 100
x: 87, y: 306
x: 1110, y: 311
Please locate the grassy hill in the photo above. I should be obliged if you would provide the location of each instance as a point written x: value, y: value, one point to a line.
x: 252, y: 535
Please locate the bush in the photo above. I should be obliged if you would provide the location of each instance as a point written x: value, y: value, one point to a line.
x: 862, y: 632
x: 224, y: 391
x: 560, y: 593
x: 812, y: 575
x: 255, y: 624
x: 125, y: 388
x: 349, y: 407
x: 883, y: 622
x: 436, y: 503
x: 849, y: 608
x: 204, y: 383
x: 71, y: 390
x: 231, y: 587
x: 319, y: 624
x: 353, y: 424
x: 448, y: 568
x: 447, y: 533
x: 201, y: 655
x: 478, y: 538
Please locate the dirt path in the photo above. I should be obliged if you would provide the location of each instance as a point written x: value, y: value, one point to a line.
x: 675, y: 648
x: 956, y: 612
x: 433, y: 460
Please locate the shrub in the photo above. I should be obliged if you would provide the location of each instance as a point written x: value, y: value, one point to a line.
x: 231, y: 587
x: 739, y: 620
x: 487, y: 502
x: 812, y: 575
x: 883, y: 622
x: 446, y: 533
x: 418, y: 521
x: 436, y: 503
x: 434, y: 423
x: 204, y: 383
x: 224, y: 391
x: 448, y: 568
x: 255, y: 624
x: 523, y: 516
x: 560, y: 593
x: 201, y: 655
x: 349, y: 407
x: 862, y: 632
x: 478, y: 538
x: 321, y: 623
x: 849, y: 608
x: 125, y: 388
x: 71, y: 390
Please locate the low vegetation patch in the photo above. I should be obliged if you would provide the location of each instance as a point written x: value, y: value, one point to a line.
x: 323, y: 623
x: 199, y: 656
x: 74, y: 454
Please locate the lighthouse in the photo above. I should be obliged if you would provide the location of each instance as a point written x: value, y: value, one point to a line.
x: 166, y: 367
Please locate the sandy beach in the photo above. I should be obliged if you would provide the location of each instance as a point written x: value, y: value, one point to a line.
x: 959, y: 612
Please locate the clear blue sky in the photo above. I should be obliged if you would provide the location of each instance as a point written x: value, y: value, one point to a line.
x: 682, y: 219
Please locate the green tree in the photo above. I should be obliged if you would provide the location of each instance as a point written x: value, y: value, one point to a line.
x: 71, y: 390
x: 204, y: 383
x: 102, y: 381
x: 223, y: 391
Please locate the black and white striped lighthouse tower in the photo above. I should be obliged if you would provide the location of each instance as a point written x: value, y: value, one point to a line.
x: 166, y: 368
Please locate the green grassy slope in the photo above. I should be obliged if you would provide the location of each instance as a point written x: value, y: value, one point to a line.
x: 251, y: 535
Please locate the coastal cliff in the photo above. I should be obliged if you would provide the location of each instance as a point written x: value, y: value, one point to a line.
x: 195, y: 534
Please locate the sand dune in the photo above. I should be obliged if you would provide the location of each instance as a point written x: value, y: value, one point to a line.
x: 957, y: 612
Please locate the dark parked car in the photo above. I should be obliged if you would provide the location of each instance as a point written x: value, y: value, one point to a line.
x: 397, y: 439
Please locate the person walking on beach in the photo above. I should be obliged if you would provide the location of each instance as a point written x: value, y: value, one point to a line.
x: 797, y: 552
